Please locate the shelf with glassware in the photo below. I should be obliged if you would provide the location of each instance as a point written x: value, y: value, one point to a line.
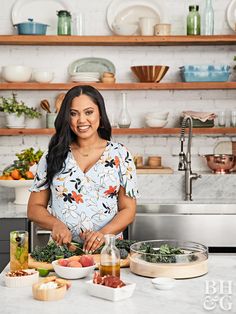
x: 173, y: 40
x: 121, y: 86
x: 129, y: 131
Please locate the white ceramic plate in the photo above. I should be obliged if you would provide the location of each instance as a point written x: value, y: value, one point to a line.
x: 129, y: 11
x: 42, y: 11
x: 231, y: 14
x: 15, y: 126
x: 91, y: 65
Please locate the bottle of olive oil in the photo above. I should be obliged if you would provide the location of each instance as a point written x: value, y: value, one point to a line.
x: 110, y: 257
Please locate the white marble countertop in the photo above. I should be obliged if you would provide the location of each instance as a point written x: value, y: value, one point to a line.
x: 187, y: 297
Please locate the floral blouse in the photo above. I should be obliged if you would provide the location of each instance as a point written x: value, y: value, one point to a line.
x: 89, y: 200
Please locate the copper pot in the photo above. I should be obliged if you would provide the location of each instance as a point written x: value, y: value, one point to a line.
x: 222, y: 163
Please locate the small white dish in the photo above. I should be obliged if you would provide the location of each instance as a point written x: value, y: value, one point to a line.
x: 108, y: 293
x: 157, y: 115
x: 22, y: 281
x: 163, y: 283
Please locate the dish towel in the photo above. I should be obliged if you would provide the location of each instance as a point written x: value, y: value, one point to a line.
x: 202, y: 116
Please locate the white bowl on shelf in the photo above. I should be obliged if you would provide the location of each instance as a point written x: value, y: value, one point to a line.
x: 156, y: 123
x: 21, y: 189
x: 16, y: 73
x: 157, y: 115
x: 43, y: 76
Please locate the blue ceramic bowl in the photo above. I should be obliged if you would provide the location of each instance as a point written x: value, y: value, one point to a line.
x: 31, y: 28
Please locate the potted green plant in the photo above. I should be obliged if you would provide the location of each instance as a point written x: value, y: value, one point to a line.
x: 32, y: 117
x: 16, y: 111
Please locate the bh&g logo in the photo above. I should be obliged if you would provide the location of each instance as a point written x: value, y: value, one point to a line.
x: 218, y: 294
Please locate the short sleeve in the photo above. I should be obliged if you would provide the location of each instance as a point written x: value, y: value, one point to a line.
x: 127, y: 173
x: 41, y: 175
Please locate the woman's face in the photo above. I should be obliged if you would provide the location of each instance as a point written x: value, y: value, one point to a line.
x: 84, y: 116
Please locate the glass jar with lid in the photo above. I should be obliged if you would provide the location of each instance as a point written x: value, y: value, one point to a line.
x: 110, y: 257
x: 193, y: 21
x: 64, y: 23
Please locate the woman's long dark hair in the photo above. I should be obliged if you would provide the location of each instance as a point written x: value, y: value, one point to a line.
x: 60, y: 142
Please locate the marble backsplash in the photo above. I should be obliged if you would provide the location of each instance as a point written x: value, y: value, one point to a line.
x: 169, y: 188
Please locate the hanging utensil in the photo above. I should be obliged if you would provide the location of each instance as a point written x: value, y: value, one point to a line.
x: 59, y: 100
x: 44, y: 104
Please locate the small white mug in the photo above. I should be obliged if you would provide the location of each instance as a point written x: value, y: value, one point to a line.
x: 162, y: 29
x: 147, y: 25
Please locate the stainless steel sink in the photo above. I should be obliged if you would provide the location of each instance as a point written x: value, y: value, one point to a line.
x: 211, y: 224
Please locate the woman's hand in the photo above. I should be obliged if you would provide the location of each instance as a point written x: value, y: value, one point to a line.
x: 60, y: 233
x: 92, y: 240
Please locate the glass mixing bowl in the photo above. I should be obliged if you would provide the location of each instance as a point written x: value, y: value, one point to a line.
x: 169, y: 251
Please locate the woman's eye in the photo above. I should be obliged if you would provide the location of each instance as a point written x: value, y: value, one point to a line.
x: 88, y: 113
x: 72, y: 113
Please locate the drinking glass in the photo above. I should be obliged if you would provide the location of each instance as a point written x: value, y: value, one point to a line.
x: 221, y: 118
x: 19, y: 249
x: 233, y: 118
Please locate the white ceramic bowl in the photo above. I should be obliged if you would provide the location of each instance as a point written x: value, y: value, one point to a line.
x: 156, y: 123
x: 163, y: 283
x: 157, y: 115
x: 72, y: 272
x: 108, y: 293
x: 22, y: 281
x: 125, y: 29
x: 16, y: 73
x: 21, y: 189
x: 42, y: 76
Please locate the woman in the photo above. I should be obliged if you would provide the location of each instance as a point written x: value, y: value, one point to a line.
x: 88, y: 181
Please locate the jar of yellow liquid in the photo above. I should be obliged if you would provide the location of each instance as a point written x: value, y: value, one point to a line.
x: 110, y: 257
x: 19, y: 249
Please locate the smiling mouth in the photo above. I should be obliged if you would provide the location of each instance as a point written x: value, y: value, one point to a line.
x: 83, y: 128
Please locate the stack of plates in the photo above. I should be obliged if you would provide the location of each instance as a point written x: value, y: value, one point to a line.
x: 85, y: 77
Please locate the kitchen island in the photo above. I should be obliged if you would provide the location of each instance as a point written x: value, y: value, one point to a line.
x: 214, y: 293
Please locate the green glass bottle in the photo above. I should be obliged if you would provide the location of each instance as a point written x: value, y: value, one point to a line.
x: 193, y: 21
x: 64, y: 23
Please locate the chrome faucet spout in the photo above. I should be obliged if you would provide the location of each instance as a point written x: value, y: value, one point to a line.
x: 185, y: 159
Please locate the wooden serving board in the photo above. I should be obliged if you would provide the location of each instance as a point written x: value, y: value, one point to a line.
x: 178, y: 271
x: 154, y: 170
x: 32, y: 263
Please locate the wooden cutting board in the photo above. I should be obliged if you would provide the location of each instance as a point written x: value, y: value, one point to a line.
x: 161, y: 170
x: 32, y: 263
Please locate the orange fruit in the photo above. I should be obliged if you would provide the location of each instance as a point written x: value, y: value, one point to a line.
x: 22, y: 179
x: 29, y: 175
x: 15, y: 174
x: 9, y: 178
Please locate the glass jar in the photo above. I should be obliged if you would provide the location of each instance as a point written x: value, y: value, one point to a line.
x: 193, y: 21
x: 110, y: 257
x: 124, y: 120
x: 208, y: 19
x: 19, y: 250
x: 64, y: 23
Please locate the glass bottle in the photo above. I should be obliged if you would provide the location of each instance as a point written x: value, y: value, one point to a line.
x: 208, y: 19
x: 124, y: 120
x: 110, y: 257
x: 19, y: 249
x: 193, y: 21
x: 64, y: 23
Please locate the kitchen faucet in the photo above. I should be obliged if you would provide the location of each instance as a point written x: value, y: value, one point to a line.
x: 185, y: 159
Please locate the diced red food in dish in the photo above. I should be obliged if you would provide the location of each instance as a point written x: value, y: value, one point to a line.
x: 108, y: 281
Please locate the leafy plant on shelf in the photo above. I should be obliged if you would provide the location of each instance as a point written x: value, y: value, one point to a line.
x: 12, y: 105
x: 165, y: 254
